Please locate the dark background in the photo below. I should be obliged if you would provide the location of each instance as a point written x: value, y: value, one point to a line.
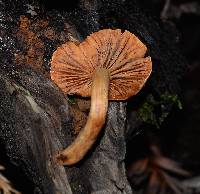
x: 179, y: 135
x: 180, y: 132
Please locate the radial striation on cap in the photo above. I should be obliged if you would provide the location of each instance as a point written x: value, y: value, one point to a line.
x: 121, y: 53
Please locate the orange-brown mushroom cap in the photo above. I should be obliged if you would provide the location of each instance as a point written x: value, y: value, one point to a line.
x: 122, y: 53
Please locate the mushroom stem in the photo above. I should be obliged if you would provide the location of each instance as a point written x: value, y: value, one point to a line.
x: 96, y: 119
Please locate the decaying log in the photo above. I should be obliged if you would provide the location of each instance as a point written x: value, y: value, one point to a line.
x: 35, y: 116
x: 34, y: 128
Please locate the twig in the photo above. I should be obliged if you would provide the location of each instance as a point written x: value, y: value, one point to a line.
x: 163, y: 14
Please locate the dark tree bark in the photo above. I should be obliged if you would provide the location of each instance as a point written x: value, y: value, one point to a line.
x: 35, y: 116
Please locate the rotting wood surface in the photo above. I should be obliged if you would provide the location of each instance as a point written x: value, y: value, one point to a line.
x: 35, y: 116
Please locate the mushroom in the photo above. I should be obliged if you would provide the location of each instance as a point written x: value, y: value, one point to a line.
x: 109, y: 64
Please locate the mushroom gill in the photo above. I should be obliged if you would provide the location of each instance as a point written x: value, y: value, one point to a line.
x: 108, y: 65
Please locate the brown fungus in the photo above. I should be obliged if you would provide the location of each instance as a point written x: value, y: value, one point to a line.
x: 108, y: 65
